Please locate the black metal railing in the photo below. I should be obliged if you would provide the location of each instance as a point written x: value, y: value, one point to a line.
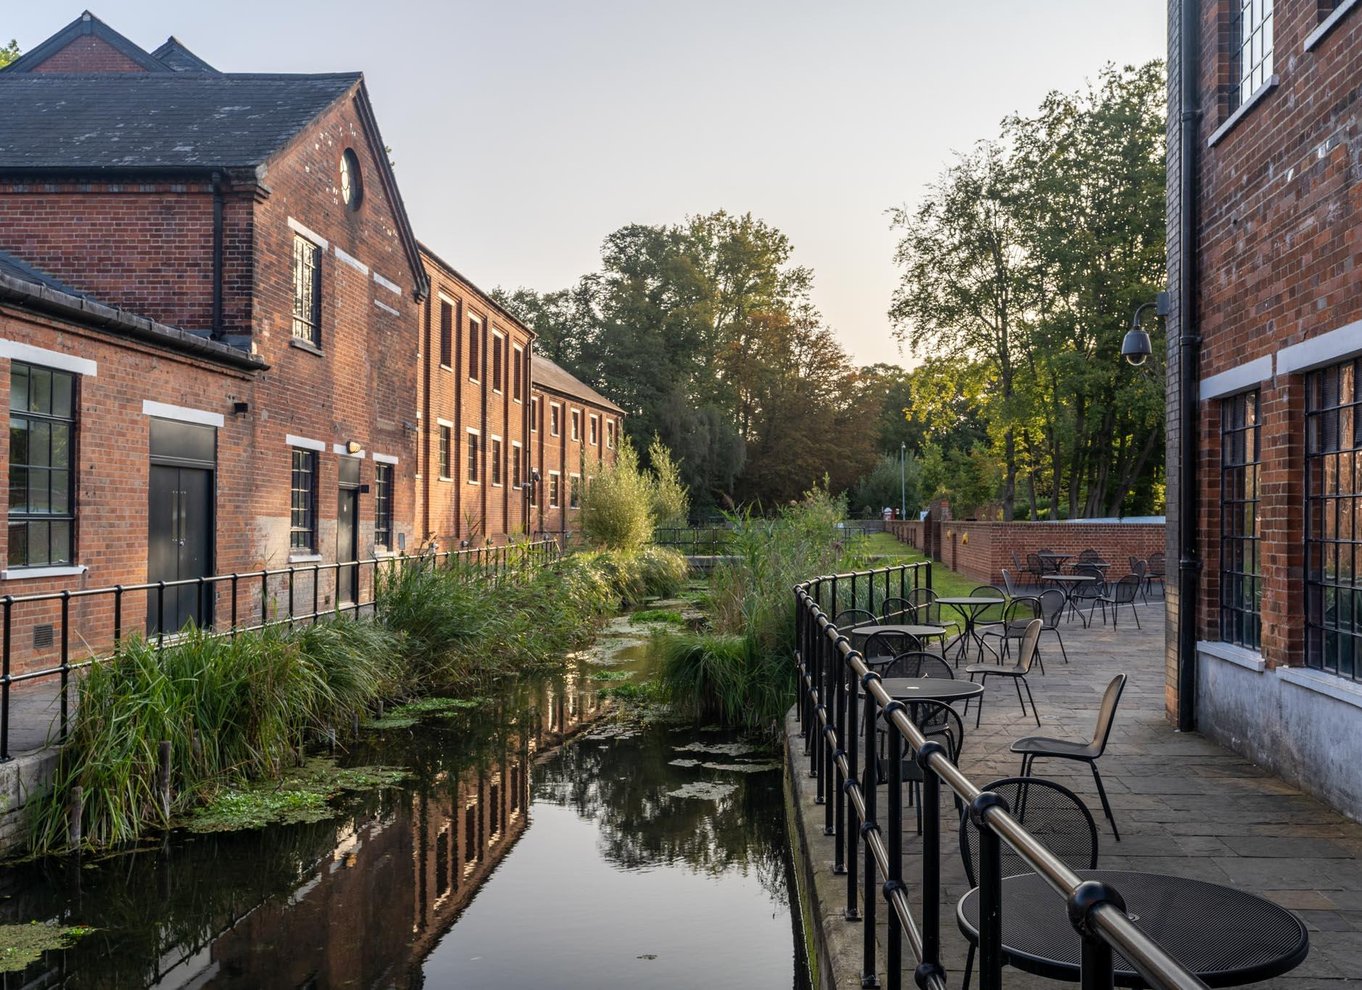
x: 841, y: 700
x: 94, y: 621
x: 703, y: 541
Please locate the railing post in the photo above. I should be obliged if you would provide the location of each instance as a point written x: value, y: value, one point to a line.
x: 990, y: 892
x: 291, y: 572
x: 264, y: 598
x: 893, y: 761
x: 5, y: 678
x: 65, y: 661
x: 931, y: 860
x: 316, y: 588
x: 118, y: 615
x: 234, y: 613
x: 847, y: 743
x: 869, y: 794
x: 1097, y: 969
x: 160, y: 614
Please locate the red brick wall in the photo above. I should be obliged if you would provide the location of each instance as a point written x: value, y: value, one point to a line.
x: 87, y: 54
x: 568, y: 456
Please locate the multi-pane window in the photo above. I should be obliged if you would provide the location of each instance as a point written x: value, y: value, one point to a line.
x: 446, y: 441
x: 534, y: 414
x: 517, y: 453
x: 575, y: 491
x: 307, y: 290
x: 1333, y: 519
x: 446, y: 333
x: 498, y: 361
x: 594, y: 431
x: 610, y: 433
x: 383, y: 505
x: 42, y: 493
x: 577, y: 425
x: 518, y: 374
x: 495, y: 455
x: 555, y: 483
x: 1241, y: 576
x: 1252, y: 41
x: 474, y: 349
x: 302, y: 530
x: 474, y: 452
x: 555, y: 419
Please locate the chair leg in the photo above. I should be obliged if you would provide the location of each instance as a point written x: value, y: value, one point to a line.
x: 1106, y: 805
x: 979, y: 712
x: 1016, y: 684
x: 1135, y: 614
x: 1063, y: 652
x: 1034, y: 713
x: 969, y: 966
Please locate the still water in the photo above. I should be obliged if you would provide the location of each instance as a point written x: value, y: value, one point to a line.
x: 531, y: 848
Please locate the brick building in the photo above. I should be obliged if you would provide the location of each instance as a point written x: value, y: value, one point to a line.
x: 257, y: 216
x: 1265, y: 383
x: 573, y: 430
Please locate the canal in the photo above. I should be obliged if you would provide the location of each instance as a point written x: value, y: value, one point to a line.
x: 532, y: 844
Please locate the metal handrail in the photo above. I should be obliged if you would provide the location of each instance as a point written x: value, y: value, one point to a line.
x: 832, y: 674
x: 497, y: 563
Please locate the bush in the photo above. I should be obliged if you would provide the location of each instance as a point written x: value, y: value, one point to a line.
x: 664, y: 571
x: 616, y: 507
x: 670, y: 502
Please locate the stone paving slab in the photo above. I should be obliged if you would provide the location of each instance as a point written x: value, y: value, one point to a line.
x: 1184, y: 805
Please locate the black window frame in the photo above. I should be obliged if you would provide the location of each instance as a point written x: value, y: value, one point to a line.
x: 517, y: 373
x: 574, y: 491
x: 39, y: 420
x: 446, y: 333
x: 445, y: 464
x: 307, y: 291
x: 474, y: 349
x: 534, y: 414
x: 383, y: 504
x: 1333, y: 519
x: 302, y: 531
x: 1241, y: 574
x: 494, y: 452
x: 517, y: 455
x: 498, y: 361
x: 474, y: 457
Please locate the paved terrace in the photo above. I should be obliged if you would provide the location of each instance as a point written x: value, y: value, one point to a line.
x: 1184, y: 805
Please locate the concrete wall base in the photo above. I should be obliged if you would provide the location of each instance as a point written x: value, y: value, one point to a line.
x: 24, y: 779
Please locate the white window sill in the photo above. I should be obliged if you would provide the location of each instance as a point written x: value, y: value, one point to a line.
x: 304, y: 558
x: 1237, y: 655
x: 1325, y: 26
x: 26, y: 573
x: 1327, y: 684
x: 1242, y: 110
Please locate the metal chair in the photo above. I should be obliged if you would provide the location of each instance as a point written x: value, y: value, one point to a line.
x: 987, y: 591
x: 1035, y: 566
x: 937, y: 721
x: 1090, y: 556
x: 1140, y: 569
x: 918, y: 663
x: 1014, y: 590
x: 1052, y: 602
x: 1025, y: 658
x: 928, y: 612
x: 1122, y: 594
x: 881, y: 648
x: 1052, y: 813
x: 850, y: 618
x: 1088, y: 592
x: 896, y: 610
x: 1017, y: 615
x: 1033, y: 748
x: 1155, y: 572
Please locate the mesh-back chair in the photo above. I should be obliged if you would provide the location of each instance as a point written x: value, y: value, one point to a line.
x: 1090, y: 556
x: 918, y: 663
x: 1026, y: 656
x: 880, y: 649
x: 981, y: 624
x: 1140, y: 569
x: 1088, y: 593
x: 1034, y: 568
x: 897, y: 611
x: 1052, y: 602
x: 1017, y: 615
x: 1034, y: 748
x: 1122, y: 593
x: 928, y: 612
x: 1048, y: 564
x: 1014, y: 589
x: 1155, y: 572
x: 849, y: 618
x: 1052, y: 813
x: 937, y: 721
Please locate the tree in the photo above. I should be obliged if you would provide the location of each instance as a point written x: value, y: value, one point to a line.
x: 8, y: 53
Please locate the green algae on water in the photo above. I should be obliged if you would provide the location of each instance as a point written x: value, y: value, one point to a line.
x: 303, y: 795
x: 659, y: 615
x: 22, y: 945
x: 406, y: 716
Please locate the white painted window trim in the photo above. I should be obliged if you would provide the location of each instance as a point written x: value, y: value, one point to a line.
x: 551, y: 502
x: 351, y: 260
x: 304, y: 558
x: 384, y: 458
x: 182, y: 414
x: 29, y: 573
x: 574, y: 476
x: 444, y: 424
x: 439, y: 421
x: 475, y: 326
x: 339, y: 448
x: 534, y: 414
x: 1241, y: 379
x: 1330, y: 685
x: 453, y: 330
x: 575, y: 425
x: 474, y: 431
x: 491, y: 439
x: 1325, y: 26
x: 307, y: 232
x: 1230, y: 653
x: 518, y: 356
x: 388, y: 284
x: 1328, y: 348
x: 593, y: 432
x: 1243, y: 108
x: 386, y: 308
x: 305, y: 443
x: 28, y: 354
x: 558, y: 432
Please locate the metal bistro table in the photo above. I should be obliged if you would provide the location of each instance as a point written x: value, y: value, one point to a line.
x: 970, y: 609
x: 1067, y: 583
x: 945, y: 689
x: 1226, y: 936
x: 859, y: 634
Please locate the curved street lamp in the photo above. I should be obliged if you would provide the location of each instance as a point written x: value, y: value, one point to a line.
x: 1136, y: 348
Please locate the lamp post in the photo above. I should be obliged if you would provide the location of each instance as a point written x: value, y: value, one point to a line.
x: 903, y: 482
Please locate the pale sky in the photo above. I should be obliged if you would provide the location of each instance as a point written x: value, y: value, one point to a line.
x: 524, y: 132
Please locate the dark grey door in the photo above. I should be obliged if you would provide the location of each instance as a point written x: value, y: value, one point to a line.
x: 180, y: 546
x: 347, y: 545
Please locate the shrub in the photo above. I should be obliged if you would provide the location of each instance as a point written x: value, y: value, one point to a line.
x: 670, y: 502
x: 616, y: 507
x: 664, y: 571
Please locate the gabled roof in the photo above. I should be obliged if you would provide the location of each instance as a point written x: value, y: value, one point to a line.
x: 161, y: 120
x: 87, y: 24
x: 12, y: 266
x: 546, y: 374
x: 175, y: 55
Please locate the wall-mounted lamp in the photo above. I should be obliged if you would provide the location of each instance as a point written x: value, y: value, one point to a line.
x: 240, y: 408
x: 353, y: 446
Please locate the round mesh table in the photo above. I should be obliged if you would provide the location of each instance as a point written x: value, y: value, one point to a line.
x: 1226, y: 936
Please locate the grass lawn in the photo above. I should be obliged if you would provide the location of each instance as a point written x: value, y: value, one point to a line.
x: 888, y: 551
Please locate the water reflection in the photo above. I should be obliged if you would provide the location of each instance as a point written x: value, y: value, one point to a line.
x: 367, y: 900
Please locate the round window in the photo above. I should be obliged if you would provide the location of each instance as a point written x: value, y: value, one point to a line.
x: 351, y: 184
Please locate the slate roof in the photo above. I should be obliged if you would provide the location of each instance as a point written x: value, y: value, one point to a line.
x: 547, y: 374
x: 12, y: 266
x: 174, y: 54
x: 156, y: 120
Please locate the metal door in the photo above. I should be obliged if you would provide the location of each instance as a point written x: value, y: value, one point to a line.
x: 347, y: 545
x: 180, y: 546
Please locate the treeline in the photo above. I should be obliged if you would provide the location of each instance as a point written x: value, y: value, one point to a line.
x: 1021, y: 268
